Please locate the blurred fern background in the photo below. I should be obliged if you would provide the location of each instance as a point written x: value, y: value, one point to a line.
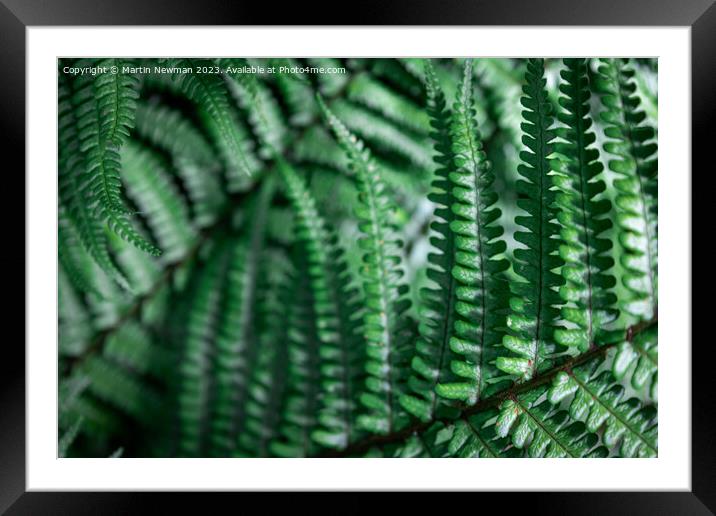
x: 357, y: 257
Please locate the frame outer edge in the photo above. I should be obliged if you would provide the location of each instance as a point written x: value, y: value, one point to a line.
x: 703, y: 109
x: 369, y: 12
x: 12, y: 101
x: 12, y: 379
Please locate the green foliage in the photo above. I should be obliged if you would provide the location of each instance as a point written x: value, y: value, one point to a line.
x: 396, y: 258
x: 533, y: 308
x: 599, y: 401
x: 583, y: 218
x: 632, y: 141
x: 476, y: 436
x: 385, y: 330
x: 334, y: 307
x: 534, y: 423
x: 481, y: 291
x: 433, y: 355
x: 211, y: 96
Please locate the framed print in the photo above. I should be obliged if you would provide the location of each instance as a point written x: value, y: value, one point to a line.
x: 275, y: 257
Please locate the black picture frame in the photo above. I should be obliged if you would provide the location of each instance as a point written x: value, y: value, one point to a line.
x: 17, y: 15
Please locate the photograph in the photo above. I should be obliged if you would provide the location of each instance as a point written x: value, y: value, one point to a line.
x: 410, y: 257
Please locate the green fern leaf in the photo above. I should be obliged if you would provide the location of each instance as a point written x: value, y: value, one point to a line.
x: 335, y: 309
x: 637, y: 361
x: 590, y: 302
x: 431, y: 363
x: 267, y: 382
x: 598, y: 401
x: 193, y: 159
x: 150, y: 187
x: 534, y: 424
x: 235, y: 343
x: 300, y: 411
x: 364, y: 90
x: 169, y: 130
x: 296, y: 91
x: 385, y: 328
x: 383, y: 134
x: 475, y: 436
x: 211, y: 96
x: 194, y: 376
x: 535, y: 300
x: 77, y: 216
x: 121, y: 388
x: 104, y: 105
x: 103, y: 112
x: 481, y: 291
x: 261, y: 107
x: 631, y: 141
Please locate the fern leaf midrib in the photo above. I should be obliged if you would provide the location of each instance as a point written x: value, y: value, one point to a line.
x: 597, y: 399
x: 640, y: 180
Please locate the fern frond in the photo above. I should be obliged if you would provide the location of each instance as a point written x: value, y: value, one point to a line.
x: 100, y: 185
x: 75, y: 325
x: 329, y: 84
x: 385, y: 328
x: 396, y: 74
x: 599, y: 401
x: 335, y: 309
x: 235, y: 343
x: 534, y: 301
x: 104, y: 105
x: 583, y: 216
x: 121, y: 388
x: 431, y: 363
x: 194, y: 375
x: 631, y: 140
x: 76, y: 215
x: 478, y: 269
x: 383, y: 134
x: 475, y: 436
x: 133, y: 348
x: 534, y: 424
x: 316, y: 147
x: 377, y: 274
x: 296, y: 91
x: 362, y: 89
x: 267, y: 382
x: 71, y: 255
x: 123, y: 227
x: 141, y: 269
x: 637, y: 360
x: 299, y: 418
x: 211, y: 96
x: 151, y: 188
x: 262, y: 109
x: 193, y: 158
x: 169, y: 130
